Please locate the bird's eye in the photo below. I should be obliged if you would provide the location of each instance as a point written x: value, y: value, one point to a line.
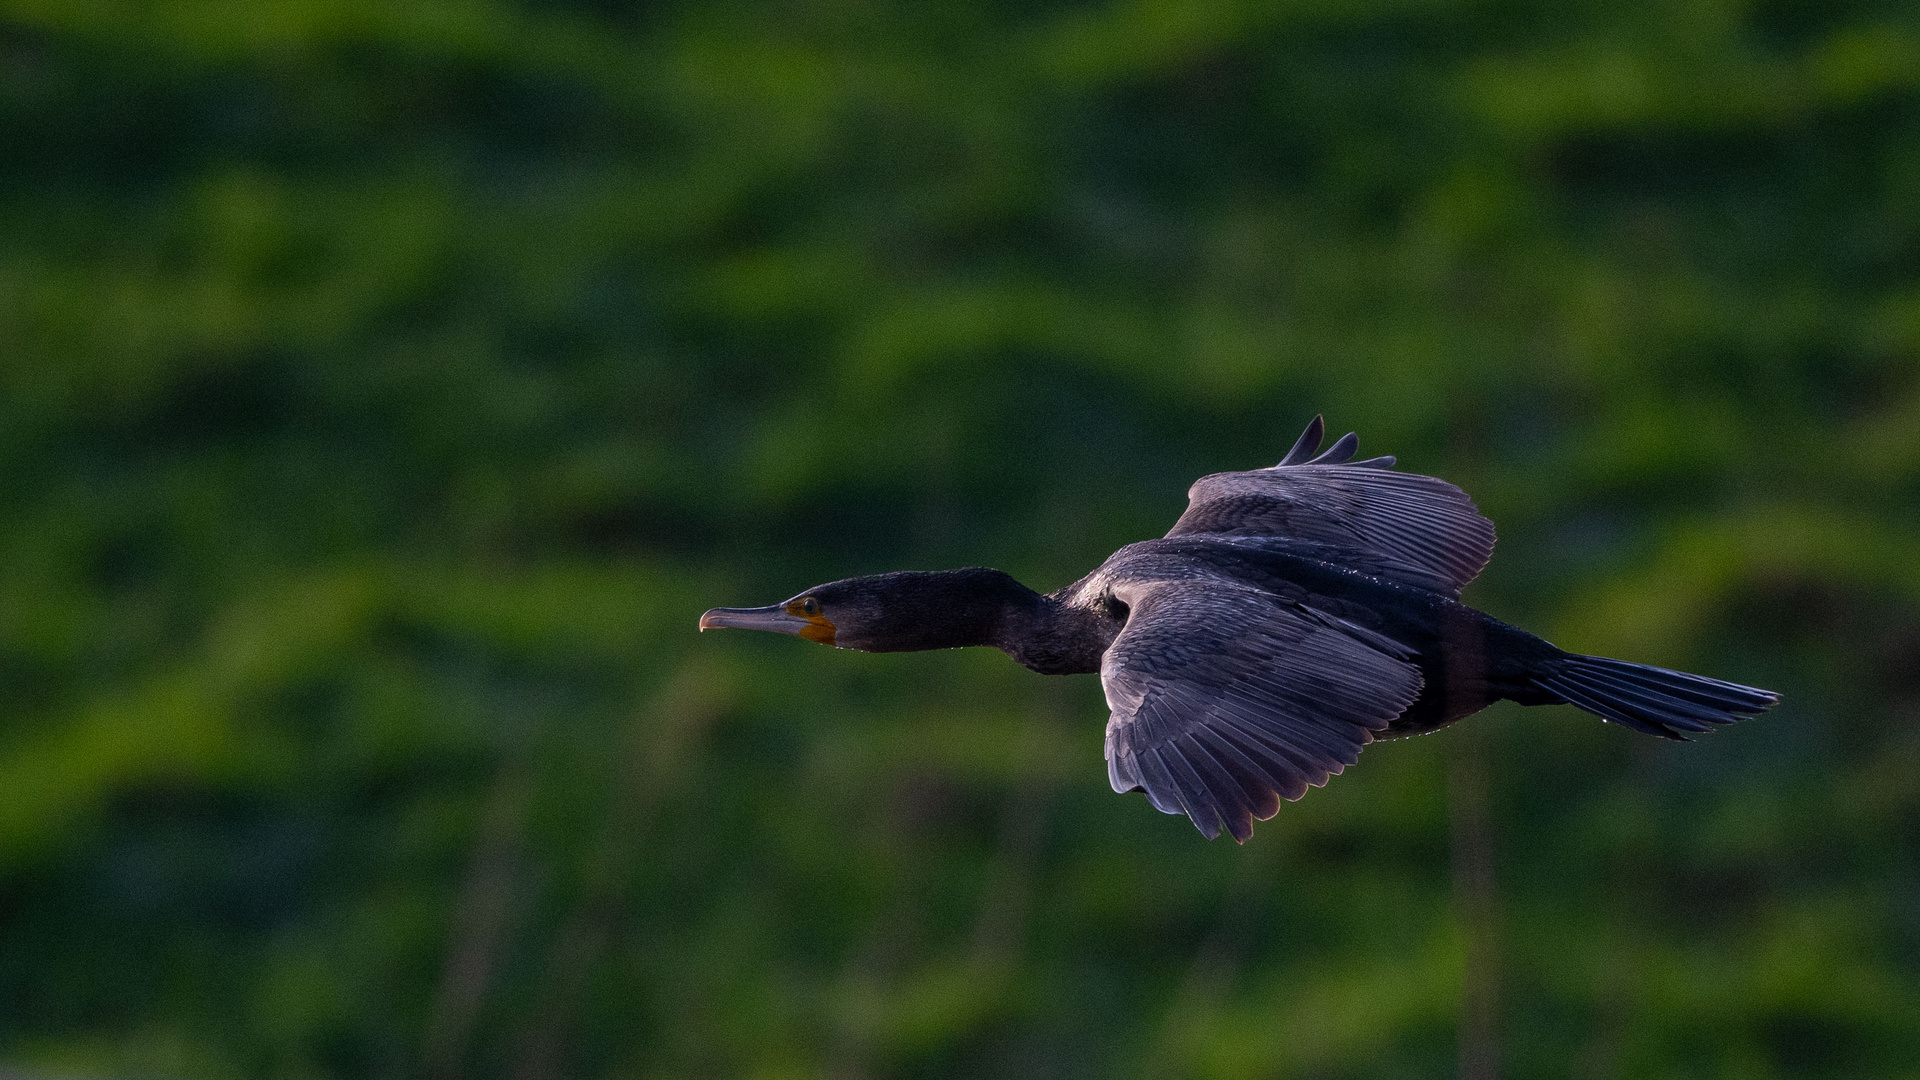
x: 810, y: 606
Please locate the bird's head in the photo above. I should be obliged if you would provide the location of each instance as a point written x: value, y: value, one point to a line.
x: 896, y: 612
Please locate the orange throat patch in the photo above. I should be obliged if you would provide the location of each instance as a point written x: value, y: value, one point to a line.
x: 817, y: 628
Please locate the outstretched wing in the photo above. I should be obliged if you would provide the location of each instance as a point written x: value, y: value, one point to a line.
x: 1227, y: 699
x: 1427, y: 532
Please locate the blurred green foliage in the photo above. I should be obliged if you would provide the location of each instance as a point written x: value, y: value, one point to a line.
x: 386, y: 387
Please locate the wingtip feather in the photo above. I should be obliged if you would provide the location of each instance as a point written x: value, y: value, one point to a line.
x: 1340, y: 452
x: 1308, y: 442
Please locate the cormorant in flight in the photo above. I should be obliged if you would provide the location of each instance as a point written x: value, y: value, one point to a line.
x: 1292, y: 615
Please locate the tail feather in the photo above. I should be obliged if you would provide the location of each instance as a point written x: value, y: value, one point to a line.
x: 1650, y: 699
x: 1609, y: 686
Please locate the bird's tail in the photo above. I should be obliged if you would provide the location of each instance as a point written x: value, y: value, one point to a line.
x: 1650, y: 699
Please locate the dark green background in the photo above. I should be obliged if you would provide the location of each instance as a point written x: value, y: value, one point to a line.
x: 385, y: 388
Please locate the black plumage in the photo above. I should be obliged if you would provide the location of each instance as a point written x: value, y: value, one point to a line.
x: 1291, y: 616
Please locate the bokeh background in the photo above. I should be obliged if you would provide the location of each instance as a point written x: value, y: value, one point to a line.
x: 385, y: 388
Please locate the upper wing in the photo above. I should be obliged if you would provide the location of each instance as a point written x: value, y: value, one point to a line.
x: 1227, y: 699
x: 1426, y: 530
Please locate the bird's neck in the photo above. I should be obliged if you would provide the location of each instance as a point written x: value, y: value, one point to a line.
x: 952, y: 609
x: 1056, y: 638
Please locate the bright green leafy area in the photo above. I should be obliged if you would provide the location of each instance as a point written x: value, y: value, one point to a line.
x: 387, y: 388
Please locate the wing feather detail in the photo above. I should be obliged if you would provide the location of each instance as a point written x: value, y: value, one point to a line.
x: 1419, y: 529
x: 1227, y: 700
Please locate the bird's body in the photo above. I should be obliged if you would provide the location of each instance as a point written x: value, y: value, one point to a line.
x: 1291, y: 616
x: 1467, y: 659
